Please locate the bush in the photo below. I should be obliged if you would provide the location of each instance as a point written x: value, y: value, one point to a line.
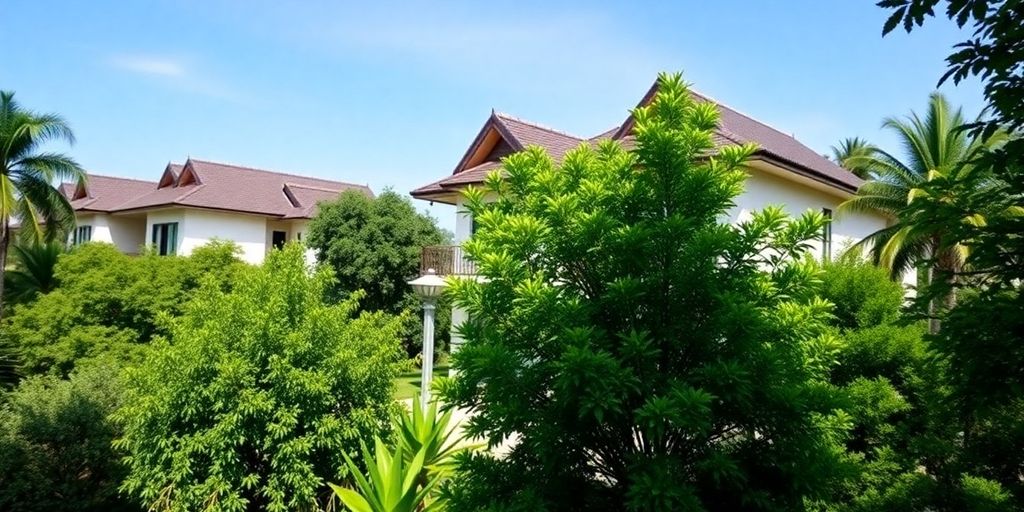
x: 257, y: 393
x: 55, y: 443
x: 109, y: 304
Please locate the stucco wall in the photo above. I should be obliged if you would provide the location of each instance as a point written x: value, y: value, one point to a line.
x: 763, y: 189
x: 201, y: 226
x: 163, y: 217
x: 128, y: 234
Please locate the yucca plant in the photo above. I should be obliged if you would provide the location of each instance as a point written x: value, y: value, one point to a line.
x: 392, y: 483
x: 424, y: 430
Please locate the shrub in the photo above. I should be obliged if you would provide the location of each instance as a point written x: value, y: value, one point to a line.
x: 108, y: 303
x: 257, y: 393
x: 55, y: 443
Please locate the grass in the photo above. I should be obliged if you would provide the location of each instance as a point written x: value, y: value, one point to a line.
x: 407, y: 384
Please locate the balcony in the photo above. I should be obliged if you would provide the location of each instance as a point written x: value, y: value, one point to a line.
x: 446, y: 260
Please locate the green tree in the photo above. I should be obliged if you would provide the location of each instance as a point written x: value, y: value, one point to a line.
x: 257, y: 393
x: 27, y: 175
x: 107, y: 303
x: 982, y: 335
x: 374, y: 245
x: 937, y: 149
x: 633, y: 351
x: 33, y: 270
x: 852, y: 148
x: 55, y: 444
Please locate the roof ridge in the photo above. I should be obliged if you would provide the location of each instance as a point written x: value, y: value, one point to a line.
x: 111, y: 177
x: 744, y: 114
x: 267, y: 171
x: 310, y: 187
x: 511, y: 117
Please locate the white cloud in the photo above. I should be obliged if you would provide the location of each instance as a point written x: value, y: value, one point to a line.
x: 183, y: 74
x: 149, y: 65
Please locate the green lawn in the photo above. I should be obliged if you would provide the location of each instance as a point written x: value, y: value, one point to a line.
x: 407, y: 385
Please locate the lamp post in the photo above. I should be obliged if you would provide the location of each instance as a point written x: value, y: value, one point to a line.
x: 428, y: 287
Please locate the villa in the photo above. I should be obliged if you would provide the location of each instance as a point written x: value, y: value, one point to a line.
x: 782, y: 172
x: 198, y: 201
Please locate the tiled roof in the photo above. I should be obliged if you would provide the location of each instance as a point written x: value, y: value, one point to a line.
x: 105, y: 193
x: 218, y: 186
x: 734, y: 128
x: 531, y: 134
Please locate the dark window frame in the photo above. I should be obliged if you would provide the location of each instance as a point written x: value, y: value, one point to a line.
x: 826, y: 235
x: 165, y: 238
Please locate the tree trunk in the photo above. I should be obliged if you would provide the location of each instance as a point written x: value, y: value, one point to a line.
x: 5, y: 241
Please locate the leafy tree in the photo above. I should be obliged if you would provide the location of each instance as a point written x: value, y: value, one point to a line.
x: 633, y: 351
x: 938, y: 149
x: 55, y: 444
x: 982, y: 213
x: 107, y: 303
x: 849, y: 149
x: 27, y: 175
x: 33, y: 270
x: 374, y: 245
x: 257, y: 393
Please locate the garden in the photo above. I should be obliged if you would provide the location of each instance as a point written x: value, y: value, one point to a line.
x: 625, y: 348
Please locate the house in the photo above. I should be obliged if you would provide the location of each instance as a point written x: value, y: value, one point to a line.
x: 198, y: 201
x: 782, y: 172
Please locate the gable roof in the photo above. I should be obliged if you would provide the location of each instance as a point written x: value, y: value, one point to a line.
x: 218, y: 186
x: 104, y: 193
x: 734, y: 128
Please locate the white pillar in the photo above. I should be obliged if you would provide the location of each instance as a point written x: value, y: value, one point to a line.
x: 428, y: 352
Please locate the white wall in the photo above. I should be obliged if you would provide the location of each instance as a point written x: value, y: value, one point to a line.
x: 128, y: 233
x: 199, y: 227
x: 763, y: 189
x: 163, y: 217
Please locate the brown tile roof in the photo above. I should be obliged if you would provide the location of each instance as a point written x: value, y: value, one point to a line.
x: 734, y: 128
x: 104, y: 193
x: 217, y: 186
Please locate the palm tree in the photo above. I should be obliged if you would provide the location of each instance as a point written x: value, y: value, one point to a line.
x: 938, y: 154
x: 27, y: 174
x: 33, y: 270
x: 849, y: 151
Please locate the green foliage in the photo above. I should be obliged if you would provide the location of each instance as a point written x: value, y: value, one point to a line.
x: 405, y: 476
x: 849, y: 151
x: 108, y: 303
x: 638, y: 353
x: 863, y: 294
x: 257, y: 392
x: 33, y: 272
x: 393, y: 484
x: 55, y: 444
x: 374, y: 245
x: 27, y: 175
x: 426, y: 431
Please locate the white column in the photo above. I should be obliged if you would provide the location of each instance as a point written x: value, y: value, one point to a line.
x: 428, y: 351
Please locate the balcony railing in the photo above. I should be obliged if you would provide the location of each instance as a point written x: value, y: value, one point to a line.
x: 446, y: 260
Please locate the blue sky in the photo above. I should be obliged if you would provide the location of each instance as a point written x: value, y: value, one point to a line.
x: 392, y: 94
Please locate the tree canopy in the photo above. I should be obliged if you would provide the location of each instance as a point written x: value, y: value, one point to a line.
x: 635, y: 352
x: 257, y: 392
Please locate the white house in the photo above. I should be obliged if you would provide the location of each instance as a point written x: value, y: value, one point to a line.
x: 782, y: 172
x: 195, y: 202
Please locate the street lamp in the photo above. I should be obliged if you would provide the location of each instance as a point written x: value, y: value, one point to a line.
x: 428, y: 287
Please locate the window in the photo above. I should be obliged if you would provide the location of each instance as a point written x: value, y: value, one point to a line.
x: 278, y: 238
x: 165, y: 238
x: 826, y: 235
x: 82, y: 235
